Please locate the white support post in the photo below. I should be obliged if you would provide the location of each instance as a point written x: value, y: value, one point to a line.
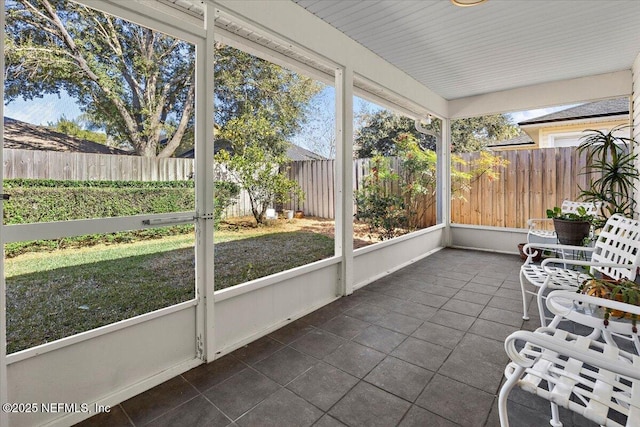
x: 4, y: 417
x: 344, y: 178
x: 204, y: 179
x: 444, y: 179
x: 634, y: 118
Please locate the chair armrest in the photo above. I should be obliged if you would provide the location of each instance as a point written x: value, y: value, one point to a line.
x: 542, y: 339
x: 557, y: 247
x: 556, y: 306
x: 585, y: 263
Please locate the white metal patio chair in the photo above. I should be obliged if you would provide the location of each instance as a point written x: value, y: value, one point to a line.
x: 597, y: 380
x: 541, y: 232
x: 616, y: 253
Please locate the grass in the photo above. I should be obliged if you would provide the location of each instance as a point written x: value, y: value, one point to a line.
x: 61, y: 293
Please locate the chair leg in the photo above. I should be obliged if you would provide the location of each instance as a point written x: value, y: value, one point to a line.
x: 525, y: 306
x: 504, y: 393
x: 555, y: 416
x: 540, y: 300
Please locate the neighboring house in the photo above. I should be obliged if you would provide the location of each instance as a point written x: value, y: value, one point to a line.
x: 565, y: 128
x: 26, y: 136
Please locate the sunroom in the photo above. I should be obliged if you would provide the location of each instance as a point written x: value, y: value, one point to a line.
x: 427, y: 60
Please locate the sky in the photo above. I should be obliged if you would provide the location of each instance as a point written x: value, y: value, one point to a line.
x: 43, y: 111
x: 50, y: 108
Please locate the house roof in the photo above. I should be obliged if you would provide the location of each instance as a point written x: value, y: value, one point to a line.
x: 522, y: 139
x: 605, y: 108
x: 26, y: 136
x: 294, y: 152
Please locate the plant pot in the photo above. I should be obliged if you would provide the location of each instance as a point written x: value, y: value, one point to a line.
x: 288, y: 214
x: 571, y: 232
x: 299, y: 214
x: 536, y: 258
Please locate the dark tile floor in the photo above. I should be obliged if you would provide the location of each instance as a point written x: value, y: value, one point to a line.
x: 421, y: 347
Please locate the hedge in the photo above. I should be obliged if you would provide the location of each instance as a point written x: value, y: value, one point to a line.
x: 48, y: 200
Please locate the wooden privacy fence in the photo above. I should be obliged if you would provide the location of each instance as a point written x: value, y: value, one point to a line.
x: 317, y: 180
x: 533, y: 181
x: 35, y: 164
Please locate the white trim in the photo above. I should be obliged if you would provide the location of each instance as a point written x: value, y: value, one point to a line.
x: 151, y: 17
x: 114, y: 399
x: 102, y: 330
x: 249, y: 339
x: 490, y: 228
x: 344, y: 178
x: 80, y: 227
x: 399, y: 239
x: 241, y: 289
x: 571, y: 91
x: 372, y: 279
x: 292, y: 22
x: 254, y: 38
x: 4, y: 416
x: 388, y: 98
x: 273, y: 56
x: 205, y: 187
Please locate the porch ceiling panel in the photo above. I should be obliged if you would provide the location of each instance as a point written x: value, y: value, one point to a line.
x: 498, y: 45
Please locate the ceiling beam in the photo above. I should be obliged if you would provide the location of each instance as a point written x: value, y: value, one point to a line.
x: 571, y: 91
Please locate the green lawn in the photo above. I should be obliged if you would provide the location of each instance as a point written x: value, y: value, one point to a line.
x: 57, y: 294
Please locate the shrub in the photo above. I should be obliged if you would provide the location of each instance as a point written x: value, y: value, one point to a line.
x: 225, y: 195
x: 49, y: 200
x: 378, y: 206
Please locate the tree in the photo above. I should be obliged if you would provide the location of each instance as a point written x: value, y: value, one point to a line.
x: 73, y: 127
x: 134, y: 82
x: 475, y: 133
x: 261, y: 173
x: 383, y: 128
x: 257, y: 102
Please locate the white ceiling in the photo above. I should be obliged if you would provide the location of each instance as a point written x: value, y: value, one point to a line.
x: 500, y: 44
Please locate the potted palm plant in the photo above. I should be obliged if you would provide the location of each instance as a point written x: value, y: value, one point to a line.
x: 611, y: 166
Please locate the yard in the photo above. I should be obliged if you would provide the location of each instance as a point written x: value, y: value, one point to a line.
x: 57, y: 294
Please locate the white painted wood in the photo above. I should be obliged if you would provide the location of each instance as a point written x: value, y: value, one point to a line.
x: 90, y: 371
x: 494, y: 239
x: 378, y: 260
x: 583, y: 89
x: 634, y: 113
x: 344, y: 178
x: 443, y: 186
x: 204, y: 257
x: 57, y: 229
x: 150, y: 14
x: 97, y: 332
x: 243, y: 317
x: 291, y: 22
x: 499, y: 45
x: 4, y: 417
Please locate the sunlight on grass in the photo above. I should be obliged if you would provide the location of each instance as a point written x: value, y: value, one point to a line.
x: 52, y: 295
x: 39, y: 261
